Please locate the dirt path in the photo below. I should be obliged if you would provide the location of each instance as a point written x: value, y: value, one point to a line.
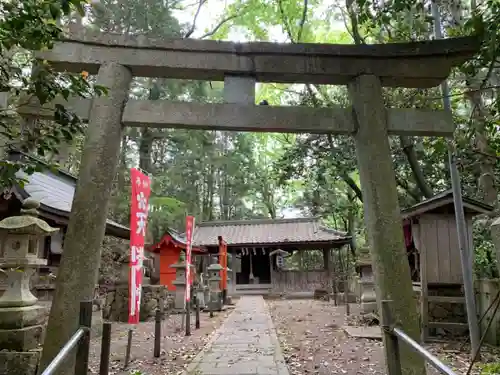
x: 177, y: 350
x: 314, y: 342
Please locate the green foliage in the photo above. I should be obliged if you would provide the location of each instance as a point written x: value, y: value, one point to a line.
x: 491, y: 369
x: 31, y: 25
x: 485, y: 265
x: 164, y: 213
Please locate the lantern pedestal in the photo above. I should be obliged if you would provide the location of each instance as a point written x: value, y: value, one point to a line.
x: 201, y: 292
x: 367, y: 288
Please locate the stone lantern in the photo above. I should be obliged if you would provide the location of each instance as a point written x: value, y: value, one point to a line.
x: 215, y: 301
x: 366, y: 282
x: 180, y: 283
x: 20, y: 316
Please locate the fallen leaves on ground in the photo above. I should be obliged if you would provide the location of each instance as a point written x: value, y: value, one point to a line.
x: 177, y: 350
x: 314, y: 342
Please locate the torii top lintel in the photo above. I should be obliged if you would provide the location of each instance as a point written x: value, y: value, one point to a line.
x: 419, y: 64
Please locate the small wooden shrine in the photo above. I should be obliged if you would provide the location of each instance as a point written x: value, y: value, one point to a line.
x: 431, y: 239
x: 168, y: 251
x: 434, y: 255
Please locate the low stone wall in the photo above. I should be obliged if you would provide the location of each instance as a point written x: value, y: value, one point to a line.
x: 115, y: 307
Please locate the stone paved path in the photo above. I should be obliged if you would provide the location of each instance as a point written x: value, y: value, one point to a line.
x: 246, y: 344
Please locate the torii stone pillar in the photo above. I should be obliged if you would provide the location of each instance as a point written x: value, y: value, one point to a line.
x: 382, y: 212
x: 86, y: 231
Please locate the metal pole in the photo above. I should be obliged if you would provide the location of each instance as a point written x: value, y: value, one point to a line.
x: 105, y: 349
x: 188, y: 318
x: 157, y: 346
x: 65, y: 351
x: 433, y: 361
x: 129, y: 348
x: 466, y: 254
x: 82, y: 353
x: 197, y: 324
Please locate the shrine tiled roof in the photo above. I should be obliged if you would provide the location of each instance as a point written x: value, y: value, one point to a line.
x: 55, y: 190
x: 267, y: 231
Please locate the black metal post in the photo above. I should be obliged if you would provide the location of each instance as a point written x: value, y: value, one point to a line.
x: 82, y: 353
x: 157, y: 347
x: 391, y: 344
x: 188, y: 318
x: 129, y: 348
x: 197, y: 301
x: 105, y: 349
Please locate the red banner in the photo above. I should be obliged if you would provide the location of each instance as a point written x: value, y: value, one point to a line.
x: 141, y: 189
x: 189, y: 240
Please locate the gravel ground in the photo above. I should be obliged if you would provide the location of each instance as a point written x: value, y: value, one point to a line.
x: 314, y: 342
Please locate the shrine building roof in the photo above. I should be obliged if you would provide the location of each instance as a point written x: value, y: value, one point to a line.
x: 54, y: 189
x: 443, y: 203
x: 269, y: 232
x: 172, y: 237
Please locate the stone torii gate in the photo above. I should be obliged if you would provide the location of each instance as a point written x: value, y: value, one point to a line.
x: 365, y: 69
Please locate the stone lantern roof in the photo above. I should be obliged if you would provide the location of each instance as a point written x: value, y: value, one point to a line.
x: 27, y: 223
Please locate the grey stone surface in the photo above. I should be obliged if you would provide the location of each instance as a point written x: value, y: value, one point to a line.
x: 244, y: 117
x: 20, y: 317
x: 422, y: 64
x: 22, y: 339
x: 239, y: 89
x: 19, y: 363
x: 245, y: 345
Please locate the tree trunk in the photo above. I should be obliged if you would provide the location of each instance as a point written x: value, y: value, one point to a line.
x: 418, y: 174
x: 486, y: 184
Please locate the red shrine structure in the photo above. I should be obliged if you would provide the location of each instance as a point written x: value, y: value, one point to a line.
x: 169, y: 250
